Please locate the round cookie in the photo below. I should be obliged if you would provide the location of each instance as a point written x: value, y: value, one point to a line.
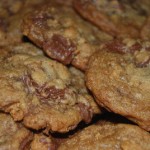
x: 106, y: 136
x: 63, y: 35
x: 119, y: 77
x: 43, y: 93
x: 13, y: 136
x: 118, y: 18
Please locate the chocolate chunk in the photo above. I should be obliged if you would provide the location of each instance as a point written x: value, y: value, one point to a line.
x: 120, y: 47
x: 143, y: 64
x: 86, y: 112
x: 116, y: 46
x: 44, y: 92
x: 51, y: 93
x: 60, y: 48
x: 29, y: 82
x: 135, y: 47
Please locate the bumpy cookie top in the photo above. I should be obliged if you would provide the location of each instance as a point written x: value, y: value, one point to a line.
x: 118, y: 18
x: 63, y: 35
x: 12, y: 135
x: 43, y: 93
x: 119, y: 77
x: 106, y: 136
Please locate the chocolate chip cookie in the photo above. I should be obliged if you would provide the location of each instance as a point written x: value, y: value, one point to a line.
x: 118, y: 18
x: 43, y: 93
x: 13, y: 136
x: 63, y: 35
x: 119, y: 77
x: 106, y: 136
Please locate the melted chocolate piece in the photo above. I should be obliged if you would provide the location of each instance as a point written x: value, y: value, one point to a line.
x: 44, y: 92
x: 50, y: 93
x: 86, y: 112
x: 120, y: 47
x: 29, y: 82
x: 60, y: 48
x: 116, y: 46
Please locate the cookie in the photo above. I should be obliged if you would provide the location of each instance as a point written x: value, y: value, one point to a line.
x: 13, y: 136
x: 43, y: 94
x: 106, y: 135
x: 63, y: 35
x: 119, y: 77
x: 118, y: 18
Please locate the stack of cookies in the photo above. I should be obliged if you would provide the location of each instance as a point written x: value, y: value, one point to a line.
x: 74, y: 75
